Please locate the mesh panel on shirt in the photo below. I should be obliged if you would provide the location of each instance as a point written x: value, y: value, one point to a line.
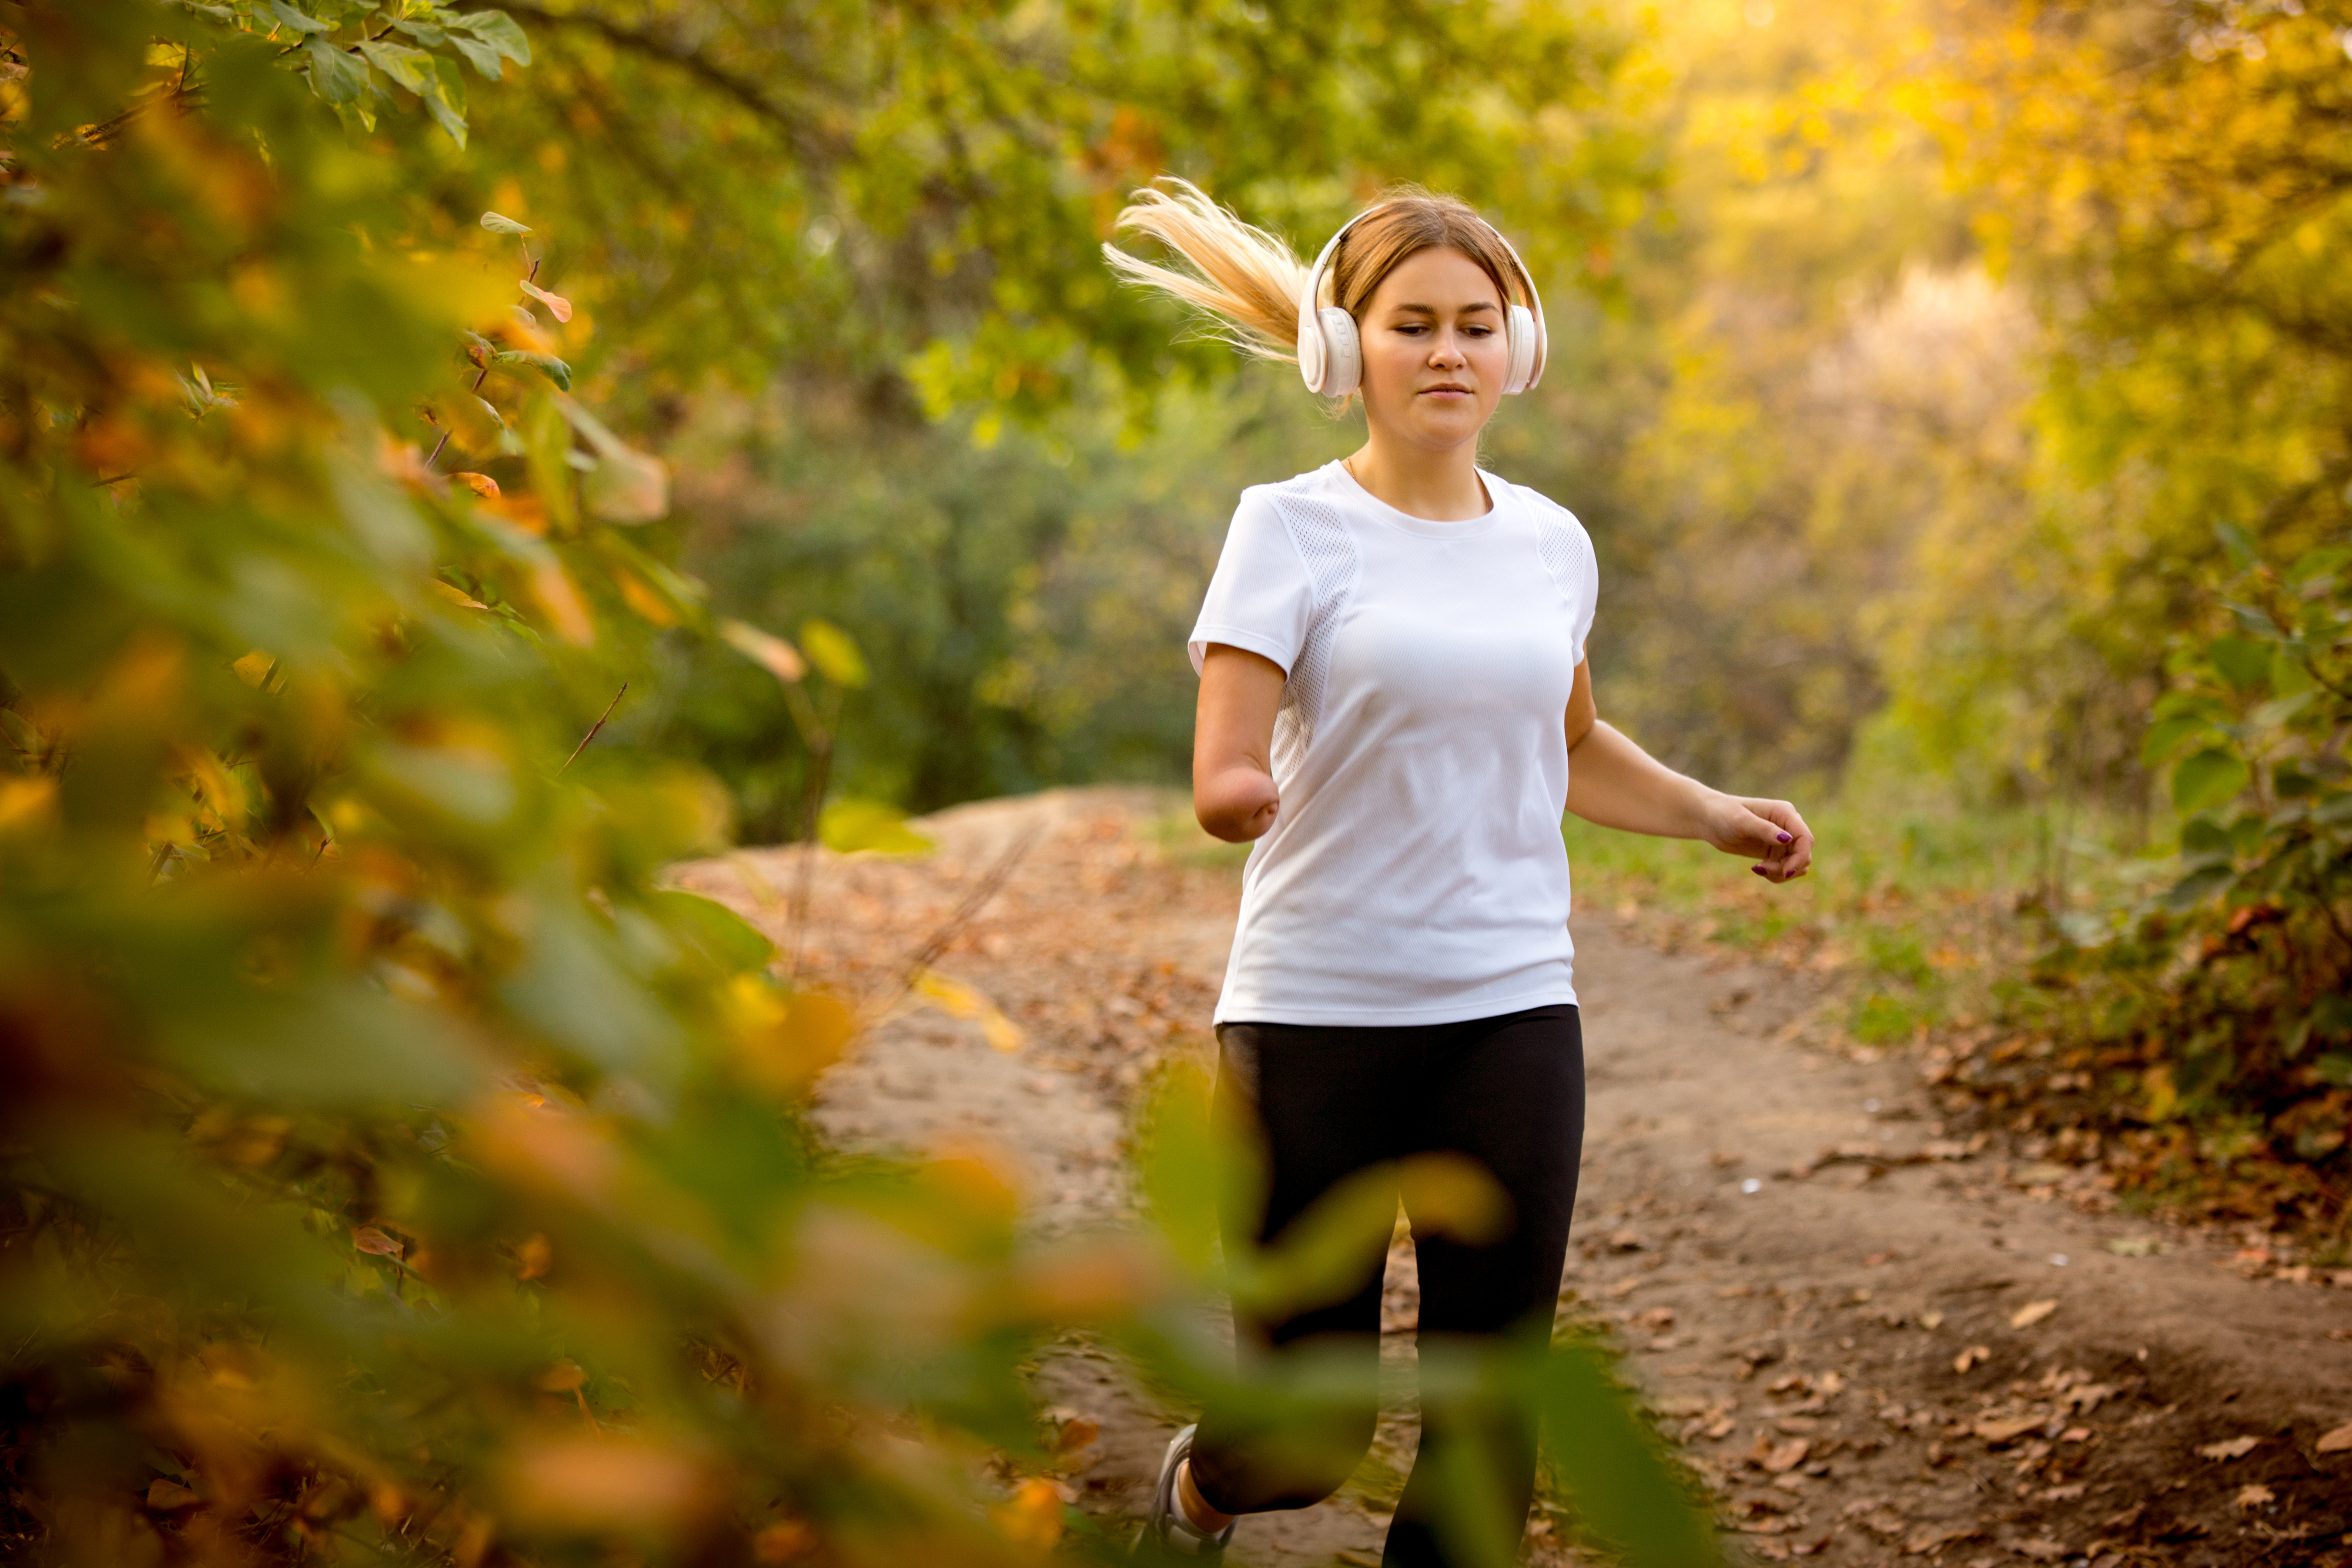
x: 1567, y: 552
x: 1320, y: 533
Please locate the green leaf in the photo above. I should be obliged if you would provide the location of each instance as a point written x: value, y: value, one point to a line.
x: 1610, y: 1464
x: 2334, y: 811
x: 426, y: 35
x: 2244, y: 663
x: 2167, y: 736
x: 2186, y: 704
x: 2207, y: 779
x: 289, y: 18
x: 554, y: 369
x: 2278, y: 710
x: 484, y: 58
x: 500, y: 31
x: 446, y: 102
x: 850, y: 824
x: 337, y: 76
x: 2203, y: 836
x: 2237, y: 543
x: 2319, y: 562
x: 2197, y: 887
x: 2333, y: 1068
x: 713, y: 929
x: 411, y: 68
x: 499, y: 223
x: 834, y: 654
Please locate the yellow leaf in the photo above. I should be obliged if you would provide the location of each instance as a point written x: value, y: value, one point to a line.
x: 958, y: 1000
x: 782, y: 1040
x: 772, y: 653
x: 1033, y: 1515
x: 648, y: 604
x: 253, y: 668
x: 2032, y: 1312
x: 24, y: 802
x: 605, y: 1483
x: 553, y: 586
x: 457, y: 596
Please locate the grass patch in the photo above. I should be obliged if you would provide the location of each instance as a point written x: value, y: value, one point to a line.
x: 1928, y: 915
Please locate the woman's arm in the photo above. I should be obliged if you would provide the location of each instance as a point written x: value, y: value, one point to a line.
x: 1614, y: 783
x: 1232, y: 735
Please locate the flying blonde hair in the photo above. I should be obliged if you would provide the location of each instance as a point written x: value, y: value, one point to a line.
x: 1247, y: 281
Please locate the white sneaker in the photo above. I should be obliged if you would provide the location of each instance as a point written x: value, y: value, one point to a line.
x: 1166, y: 1531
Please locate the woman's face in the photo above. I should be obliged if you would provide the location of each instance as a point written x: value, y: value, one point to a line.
x: 1434, y: 350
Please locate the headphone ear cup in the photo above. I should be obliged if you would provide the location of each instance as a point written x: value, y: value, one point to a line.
x: 1343, y: 369
x: 1314, y: 354
x: 1521, y: 329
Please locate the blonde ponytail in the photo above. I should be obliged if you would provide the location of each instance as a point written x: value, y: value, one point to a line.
x: 1244, y: 277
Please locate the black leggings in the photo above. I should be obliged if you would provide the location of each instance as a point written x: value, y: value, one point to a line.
x: 1323, y: 1103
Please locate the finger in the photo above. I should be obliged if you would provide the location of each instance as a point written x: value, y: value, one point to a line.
x: 1757, y: 835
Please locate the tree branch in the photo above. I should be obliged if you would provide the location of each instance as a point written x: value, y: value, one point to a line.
x: 812, y: 146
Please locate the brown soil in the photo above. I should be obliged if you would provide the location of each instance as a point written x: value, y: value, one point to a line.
x: 1873, y: 1341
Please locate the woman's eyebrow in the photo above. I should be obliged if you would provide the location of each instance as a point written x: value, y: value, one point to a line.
x: 1432, y: 309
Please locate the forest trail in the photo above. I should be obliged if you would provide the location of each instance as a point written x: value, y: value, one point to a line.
x: 1879, y: 1338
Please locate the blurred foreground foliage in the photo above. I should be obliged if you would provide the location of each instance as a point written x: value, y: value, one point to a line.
x: 390, y: 1166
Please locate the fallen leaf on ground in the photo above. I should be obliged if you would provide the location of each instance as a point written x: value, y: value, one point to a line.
x: 2231, y: 1449
x: 2041, y: 1551
x: 1788, y: 1456
x: 2001, y: 1430
x: 2032, y: 1312
x: 2338, y: 1441
x: 1970, y: 1357
x: 2253, y: 1494
x: 169, y: 1497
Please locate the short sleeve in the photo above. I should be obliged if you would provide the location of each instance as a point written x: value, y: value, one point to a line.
x: 1589, y: 600
x: 1567, y: 552
x: 1260, y: 597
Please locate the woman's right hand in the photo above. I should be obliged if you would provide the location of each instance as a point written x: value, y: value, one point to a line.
x: 1234, y: 794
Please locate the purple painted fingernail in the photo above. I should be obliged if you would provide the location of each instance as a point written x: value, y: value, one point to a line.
x: 1788, y: 839
x: 1758, y: 870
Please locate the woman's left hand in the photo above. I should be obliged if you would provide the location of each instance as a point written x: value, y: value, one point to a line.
x: 1770, y: 831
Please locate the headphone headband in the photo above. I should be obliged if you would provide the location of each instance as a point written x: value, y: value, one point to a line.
x: 1322, y: 342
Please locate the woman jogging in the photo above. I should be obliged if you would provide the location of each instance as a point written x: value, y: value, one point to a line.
x: 1394, y: 704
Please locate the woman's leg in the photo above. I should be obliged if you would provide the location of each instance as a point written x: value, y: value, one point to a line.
x: 1509, y: 1093
x: 1319, y: 1104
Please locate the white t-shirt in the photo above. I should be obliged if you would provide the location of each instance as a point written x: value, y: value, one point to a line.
x: 1416, y: 872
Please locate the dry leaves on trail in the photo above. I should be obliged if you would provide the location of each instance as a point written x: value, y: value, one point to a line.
x: 2032, y: 1312
x: 1997, y: 1431
x: 2233, y: 1449
x: 2253, y: 1494
x: 2338, y: 1441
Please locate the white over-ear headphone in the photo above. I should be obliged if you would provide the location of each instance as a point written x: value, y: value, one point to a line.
x: 1331, y: 361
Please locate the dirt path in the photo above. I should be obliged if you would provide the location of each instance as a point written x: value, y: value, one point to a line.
x: 1869, y: 1337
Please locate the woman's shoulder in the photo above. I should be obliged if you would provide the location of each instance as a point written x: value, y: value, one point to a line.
x: 1546, y: 509
x: 1313, y: 481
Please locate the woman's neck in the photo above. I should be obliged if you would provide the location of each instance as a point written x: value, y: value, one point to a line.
x: 1437, y: 487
